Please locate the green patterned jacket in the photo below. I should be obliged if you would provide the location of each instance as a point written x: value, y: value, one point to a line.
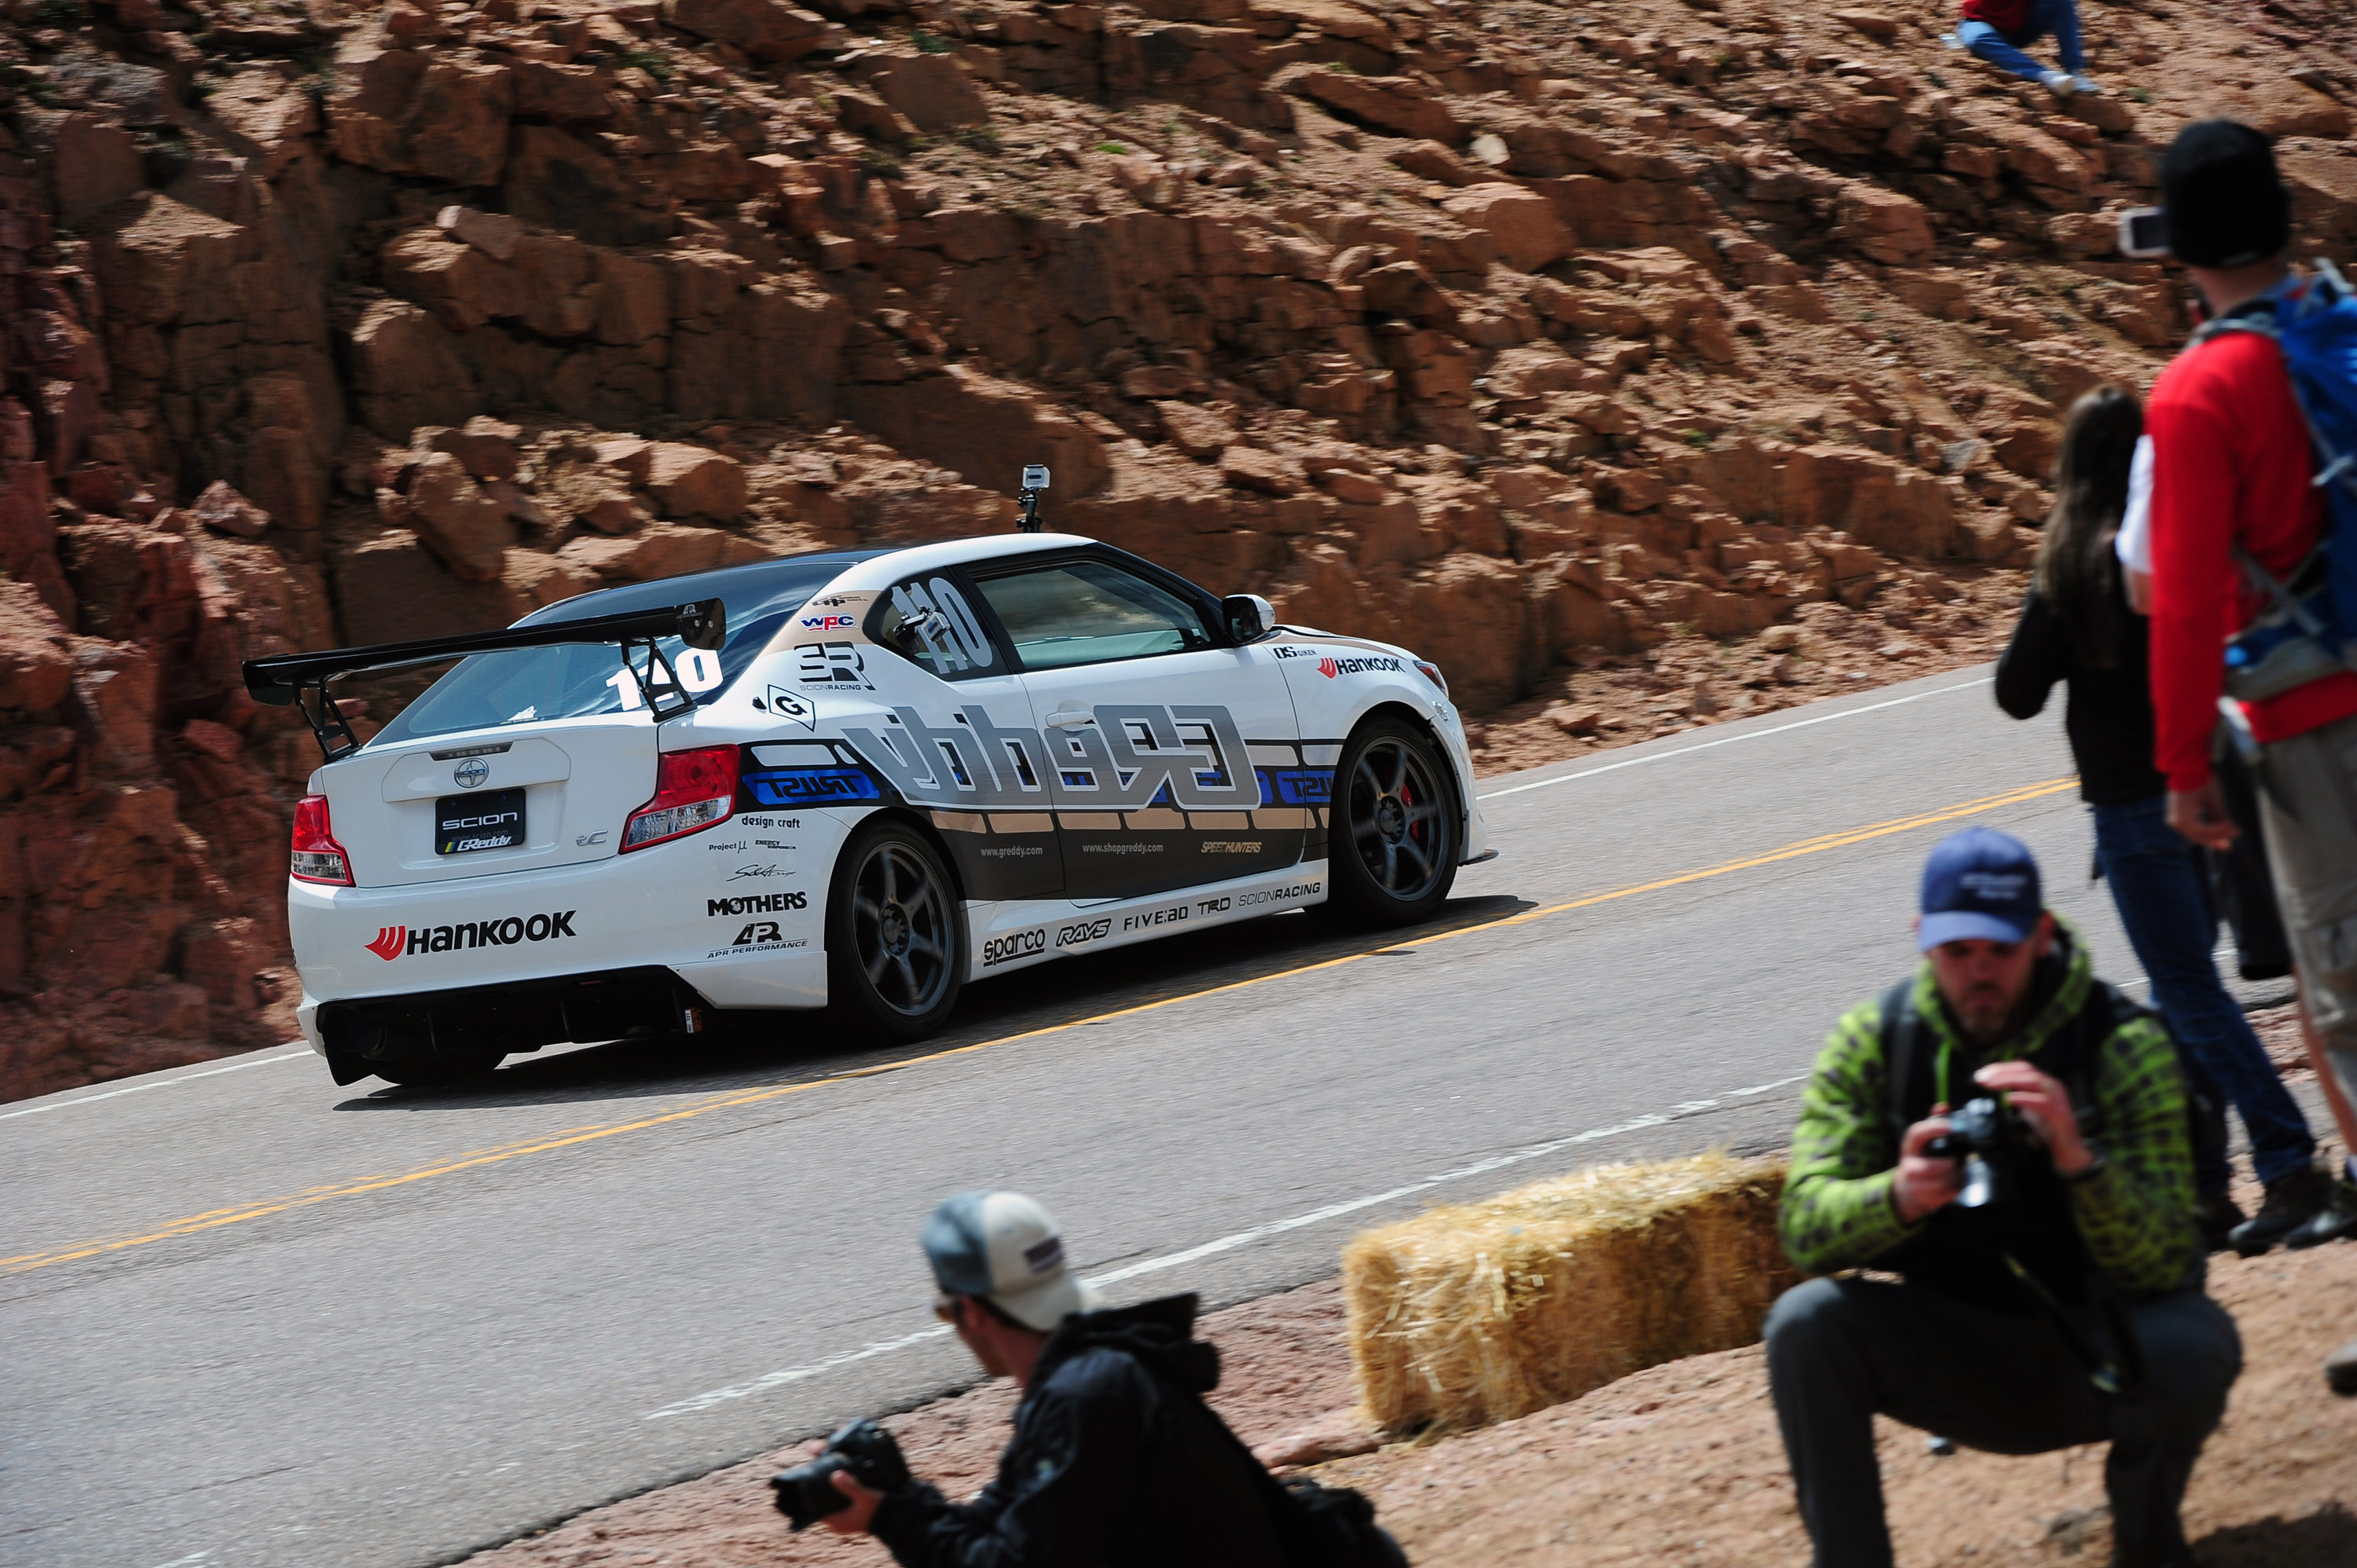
x: 2136, y: 1215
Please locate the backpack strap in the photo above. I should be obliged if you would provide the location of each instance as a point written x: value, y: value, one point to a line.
x: 2262, y: 323
x: 1901, y: 1037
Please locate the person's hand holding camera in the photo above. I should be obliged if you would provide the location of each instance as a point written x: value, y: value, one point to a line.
x: 1924, y: 1181
x: 843, y: 1479
x: 853, y: 1519
x: 2045, y: 1104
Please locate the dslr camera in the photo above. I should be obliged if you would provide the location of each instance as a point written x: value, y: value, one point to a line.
x: 806, y: 1492
x: 1986, y: 1136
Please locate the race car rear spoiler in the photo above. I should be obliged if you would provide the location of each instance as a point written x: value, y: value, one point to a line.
x: 302, y: 679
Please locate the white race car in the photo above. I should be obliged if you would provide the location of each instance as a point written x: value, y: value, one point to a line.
x: 861, y: 778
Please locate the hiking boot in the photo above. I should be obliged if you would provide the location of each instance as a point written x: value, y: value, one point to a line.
x: 2340, y: 1369
x: 2217, y: 1216
x: 2293, y: 1199
x: 2057, y: 82
x: 2336, y: 1220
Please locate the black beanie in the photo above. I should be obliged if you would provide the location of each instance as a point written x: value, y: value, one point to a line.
x: 2225, y: 205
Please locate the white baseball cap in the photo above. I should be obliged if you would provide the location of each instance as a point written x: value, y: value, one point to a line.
x: 1004, y: 1248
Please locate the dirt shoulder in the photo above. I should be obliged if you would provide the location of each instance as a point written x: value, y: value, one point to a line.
x: 1678, y: 1463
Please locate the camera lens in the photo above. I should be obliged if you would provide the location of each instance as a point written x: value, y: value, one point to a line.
x: 806, y: 1492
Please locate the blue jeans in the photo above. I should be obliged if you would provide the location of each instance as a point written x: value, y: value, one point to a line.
x: 2057, y: 18
x: 2164, y: 902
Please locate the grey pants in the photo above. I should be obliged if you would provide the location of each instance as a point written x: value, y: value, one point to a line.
x: 2308, y: 786
x: 1841, y: 1351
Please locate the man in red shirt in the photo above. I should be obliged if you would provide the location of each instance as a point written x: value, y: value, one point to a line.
x: 2232, y: 471
x: 1997, y: 31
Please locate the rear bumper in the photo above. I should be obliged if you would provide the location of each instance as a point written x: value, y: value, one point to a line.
x: 356, y: 1034
x: 732, y: 916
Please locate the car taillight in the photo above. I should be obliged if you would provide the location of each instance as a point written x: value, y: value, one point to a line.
x: 317, y: 856
x: 693, y: 789
x: 1432, y: 674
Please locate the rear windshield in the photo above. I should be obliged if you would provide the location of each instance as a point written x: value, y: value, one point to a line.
x: 532, y: 685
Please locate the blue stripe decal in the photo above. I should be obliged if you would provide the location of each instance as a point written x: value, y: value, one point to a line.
x: 1296, y: 786
x: 811, y: 786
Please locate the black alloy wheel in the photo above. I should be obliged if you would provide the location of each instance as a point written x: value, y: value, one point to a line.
x: 1393, y: 831
x: 443, y: 1073
x: 893, y: 932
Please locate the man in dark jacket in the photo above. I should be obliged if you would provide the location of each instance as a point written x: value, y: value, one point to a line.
x: 1998, y: 1334
x: 1115, y: 1458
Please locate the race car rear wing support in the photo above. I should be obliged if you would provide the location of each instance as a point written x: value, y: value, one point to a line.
x: 301, y: 679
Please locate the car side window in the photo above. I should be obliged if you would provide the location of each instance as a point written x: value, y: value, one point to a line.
x: 1087, y: 612
x: 929, y: 622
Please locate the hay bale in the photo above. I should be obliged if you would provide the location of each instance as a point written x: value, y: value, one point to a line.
x: 1487, y: 1311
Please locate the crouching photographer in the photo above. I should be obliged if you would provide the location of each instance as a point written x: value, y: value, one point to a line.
x: 2050, y: 1272
x: 1115, y: 1458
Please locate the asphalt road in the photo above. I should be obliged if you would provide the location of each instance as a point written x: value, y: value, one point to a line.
x: 249, y: 1318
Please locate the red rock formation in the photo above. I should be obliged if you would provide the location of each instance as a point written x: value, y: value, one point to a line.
x: 1575, y: 350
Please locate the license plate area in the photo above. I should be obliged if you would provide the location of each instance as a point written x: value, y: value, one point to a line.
x: 464, y: 823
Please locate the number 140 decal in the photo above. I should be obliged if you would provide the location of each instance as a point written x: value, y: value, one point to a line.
x: 699, y: 670
x: 952, y: 638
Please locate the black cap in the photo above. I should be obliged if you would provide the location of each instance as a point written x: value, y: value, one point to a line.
x: 2226, y: 205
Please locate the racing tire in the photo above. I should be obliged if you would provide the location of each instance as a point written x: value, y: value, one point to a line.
x: 895, y: 938
x: 1394, y: 832
x: 438, y: 1074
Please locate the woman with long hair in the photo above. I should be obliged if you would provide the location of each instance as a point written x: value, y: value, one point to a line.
x: 2077, y: 630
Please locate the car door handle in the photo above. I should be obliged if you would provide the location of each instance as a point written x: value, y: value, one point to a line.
x: 1071, y: 718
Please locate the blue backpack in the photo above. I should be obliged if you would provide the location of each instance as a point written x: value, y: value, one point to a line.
x: 2308, y: 630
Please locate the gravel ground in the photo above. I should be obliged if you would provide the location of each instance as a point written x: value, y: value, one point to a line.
x: 1676, y: 1465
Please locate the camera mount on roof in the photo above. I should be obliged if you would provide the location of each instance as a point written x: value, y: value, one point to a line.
x: 1035, y: 479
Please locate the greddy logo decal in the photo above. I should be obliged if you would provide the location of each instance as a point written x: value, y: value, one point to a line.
x: 1330, y: 667
x: 796, y: 710
x: 1190, y: 755
x: 393, y: 941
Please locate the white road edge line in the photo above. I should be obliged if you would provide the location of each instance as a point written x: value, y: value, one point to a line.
x: 769, y: 1380
x: 1732, y: 739
x: 287, y: 1056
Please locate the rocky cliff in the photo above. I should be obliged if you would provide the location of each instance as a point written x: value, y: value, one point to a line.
x: 1642, y: 364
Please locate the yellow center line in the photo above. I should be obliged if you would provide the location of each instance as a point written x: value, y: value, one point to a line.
x: 724, y: 1100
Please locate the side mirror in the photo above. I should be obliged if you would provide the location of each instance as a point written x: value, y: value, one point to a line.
x: 1250, y: 617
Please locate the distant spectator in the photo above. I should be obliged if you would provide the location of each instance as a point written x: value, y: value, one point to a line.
x: 1999, y: 30
x: 2233, y: 476
x: 2077, y: 628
